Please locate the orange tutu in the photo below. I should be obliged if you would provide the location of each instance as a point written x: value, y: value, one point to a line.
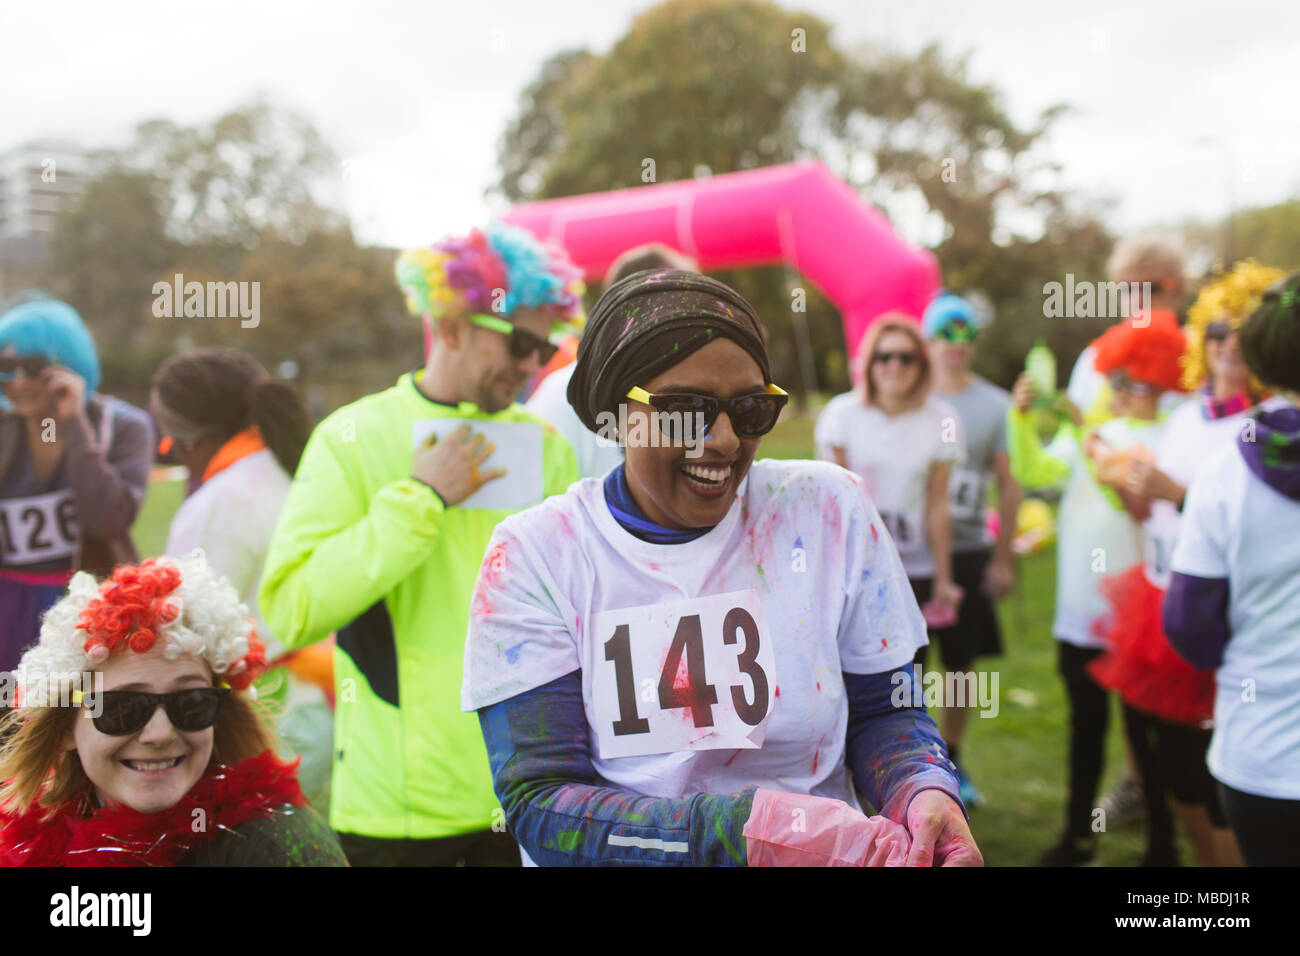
x: 1142, y: 666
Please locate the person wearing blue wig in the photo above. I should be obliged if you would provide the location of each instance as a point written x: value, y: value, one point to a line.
x: 983, y: 565
x: 73, y: 467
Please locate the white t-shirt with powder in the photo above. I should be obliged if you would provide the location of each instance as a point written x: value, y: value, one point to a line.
x: 1095, y: 539
x: 893, y: 456
x: 797, y: 585
x: 1189, y: 439
x: 1236, y: 527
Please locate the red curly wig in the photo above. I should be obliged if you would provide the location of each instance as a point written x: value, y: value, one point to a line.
x: 135, y: 604
x: 131, y: 607
x: 1148, y: 353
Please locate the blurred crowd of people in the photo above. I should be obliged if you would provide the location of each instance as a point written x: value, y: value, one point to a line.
x: 456, y: 626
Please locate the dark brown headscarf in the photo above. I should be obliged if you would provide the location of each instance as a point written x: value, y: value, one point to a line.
x: 647, y: 323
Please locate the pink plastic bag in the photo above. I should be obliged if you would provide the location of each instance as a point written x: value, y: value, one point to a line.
x: 939, y: 615
x: 792, y: 829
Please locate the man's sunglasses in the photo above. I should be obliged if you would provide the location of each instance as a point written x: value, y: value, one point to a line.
x: 31, y: 365
x: 520, y: 342
x: 123, y: 712
x: 1217, y: 332
x: 1120, y: 381
x: 751, y: 416
x: 906, y: 359
x: 957, y: 331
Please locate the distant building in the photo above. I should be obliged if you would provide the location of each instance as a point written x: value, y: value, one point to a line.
x: 38, y: 180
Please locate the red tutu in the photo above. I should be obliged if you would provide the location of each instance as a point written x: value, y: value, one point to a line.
x: 1141, y: 665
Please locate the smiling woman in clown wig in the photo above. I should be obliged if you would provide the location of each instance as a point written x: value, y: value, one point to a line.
x: 134, y: 742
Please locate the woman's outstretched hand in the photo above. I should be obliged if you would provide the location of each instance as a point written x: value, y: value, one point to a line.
x: 940, y: 834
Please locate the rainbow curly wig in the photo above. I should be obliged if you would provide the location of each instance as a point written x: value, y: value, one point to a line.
x: 181, y: 602
x: 493, y: 271
x: 1231, y: 298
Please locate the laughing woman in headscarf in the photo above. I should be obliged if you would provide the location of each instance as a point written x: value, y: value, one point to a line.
x: 700, y: 659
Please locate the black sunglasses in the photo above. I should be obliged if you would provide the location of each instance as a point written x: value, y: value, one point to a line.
x: 906, y: 359
x: 124, y: 712
x: 519, y: 342
x: 751, y: 416
x: 31, y: 365
x: 1121, y: 381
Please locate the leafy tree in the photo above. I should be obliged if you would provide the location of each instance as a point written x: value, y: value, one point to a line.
x: 108, y: 250
x: 724, y: 85
x: 1270, y: 234
x: 229, y: 201
x: 251, y: 169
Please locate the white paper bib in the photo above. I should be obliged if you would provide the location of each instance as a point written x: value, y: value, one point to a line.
x: 38, y: 529
x: 696, y: 674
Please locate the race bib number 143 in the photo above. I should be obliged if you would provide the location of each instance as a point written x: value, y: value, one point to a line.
x: 690, y: 675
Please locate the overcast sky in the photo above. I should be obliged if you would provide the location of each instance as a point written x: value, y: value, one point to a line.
x: 1179, y: 108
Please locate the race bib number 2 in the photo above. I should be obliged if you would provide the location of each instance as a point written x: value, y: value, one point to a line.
x: 690, y: 675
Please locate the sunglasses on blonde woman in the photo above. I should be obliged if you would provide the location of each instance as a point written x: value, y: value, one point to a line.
x: 124, y: 712
x: 905, y: 359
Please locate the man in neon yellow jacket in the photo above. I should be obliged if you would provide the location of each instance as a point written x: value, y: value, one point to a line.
x: 383, y: 533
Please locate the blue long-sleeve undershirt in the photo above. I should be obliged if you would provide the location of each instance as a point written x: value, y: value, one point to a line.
x: 565, y: 814
x: 1196, y: 619
x: 892, y: 746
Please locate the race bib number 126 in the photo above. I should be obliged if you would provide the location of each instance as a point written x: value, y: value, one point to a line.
x: 691, y: 675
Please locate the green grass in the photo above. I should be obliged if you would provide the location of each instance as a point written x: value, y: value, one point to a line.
x: 1017, y: 758
x: 160, y: 503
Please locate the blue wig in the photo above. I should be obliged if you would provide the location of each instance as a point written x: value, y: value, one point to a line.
x: 945, y: 308
x: 54, y: 331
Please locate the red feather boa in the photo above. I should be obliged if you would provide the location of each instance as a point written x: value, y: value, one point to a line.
x: 120, y: 836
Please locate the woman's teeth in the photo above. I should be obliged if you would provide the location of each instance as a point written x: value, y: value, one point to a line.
x: 148, y: 766
x: 711, y: 476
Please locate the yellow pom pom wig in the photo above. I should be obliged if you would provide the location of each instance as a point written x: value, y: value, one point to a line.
x: 1231, y: 298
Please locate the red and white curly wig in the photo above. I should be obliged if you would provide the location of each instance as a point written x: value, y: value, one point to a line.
x: 178, y: 601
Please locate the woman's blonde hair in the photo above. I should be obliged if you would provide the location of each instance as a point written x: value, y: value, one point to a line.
x: 895, y: 322
x: 35, y: 764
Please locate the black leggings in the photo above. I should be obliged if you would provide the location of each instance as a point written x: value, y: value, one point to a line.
x: 1267, y: 829
x: 1089, y: 719
x: 1171, y: 759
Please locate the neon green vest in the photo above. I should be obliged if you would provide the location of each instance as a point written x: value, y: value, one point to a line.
x: 364, y: 549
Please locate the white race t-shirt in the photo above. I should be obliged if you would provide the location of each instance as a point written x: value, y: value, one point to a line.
x: 893, y: 456
x: 551, y: 402
x: 1237, y: 527
x: 1189, y: 439
x: 231, y: 517
x: 1094, y: 538
x: 798, y: 584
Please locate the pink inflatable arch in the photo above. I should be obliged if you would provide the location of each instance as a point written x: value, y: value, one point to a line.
x: 796, y: 213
